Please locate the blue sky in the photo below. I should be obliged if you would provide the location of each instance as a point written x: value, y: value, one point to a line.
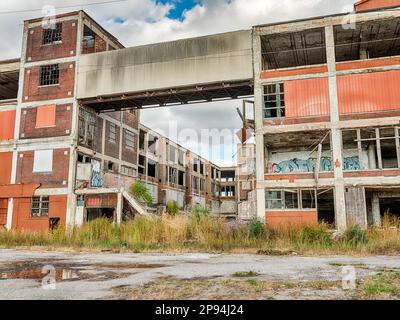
x: 179, y: 7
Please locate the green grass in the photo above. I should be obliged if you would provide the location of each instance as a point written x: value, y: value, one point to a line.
x: 245, y: 274
x: 251, y: 282
x: 202, y: 232
x: 383, y: 283
x: 351, y: 264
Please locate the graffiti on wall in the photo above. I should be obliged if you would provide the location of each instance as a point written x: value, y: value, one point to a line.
x: 299, y: 165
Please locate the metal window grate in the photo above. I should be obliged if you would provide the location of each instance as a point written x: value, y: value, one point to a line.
x: 40, y: 206
x: 274, y: 101
x: 49, y: 75
x: 51, y: 35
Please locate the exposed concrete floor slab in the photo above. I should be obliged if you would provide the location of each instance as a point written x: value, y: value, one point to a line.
x: 95, y: 275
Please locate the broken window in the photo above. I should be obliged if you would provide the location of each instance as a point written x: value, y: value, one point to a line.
x: 289, y: 199
x: 282, y: 199
x: 181, y: 178
x: 274, y: 101
x: 111, y: 166
x: 151, y: 168
x: 49, y: 75
x: 142, y: 164
x: 152, y: 143
x: 172, y: 175
x: 128, y: 171
x: 308, y: 199
x: 201, y: 167
x: 86, y: 128
x: 130, y: 140
x: 112, y: 133
x: 371, y: 148
x: 40, y: 206
x: 228, y: 191
x: 142, y: 139
x: 52, y: 34
x: 195, y: 165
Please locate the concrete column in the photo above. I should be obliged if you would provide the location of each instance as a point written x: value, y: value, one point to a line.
x: 376, y: 211
x: 259, y: 122
x: 336, y: 142
x: 119, y: 207
x: 372, y: 156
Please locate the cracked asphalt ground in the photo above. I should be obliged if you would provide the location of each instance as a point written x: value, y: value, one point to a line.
x: 126, y: 275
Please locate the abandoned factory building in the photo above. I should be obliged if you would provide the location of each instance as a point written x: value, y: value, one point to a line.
x: 326, y: 122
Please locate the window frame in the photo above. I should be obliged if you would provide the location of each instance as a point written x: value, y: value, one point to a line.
x: 43, y: 206
x: 49, y: 75
x: 52, y: 35
x: 278, y: 92
x: 129, y: 143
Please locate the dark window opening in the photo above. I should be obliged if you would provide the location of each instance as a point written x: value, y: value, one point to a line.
x: 52, y: 34
x: 228, y: 176
x: 181, y: 178
x: 142, y: 139
x: 151, y: 168
x: 49, y: 75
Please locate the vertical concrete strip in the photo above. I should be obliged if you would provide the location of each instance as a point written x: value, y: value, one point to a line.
x: 258, y: 106
x: 376, y: 210
x: 336, y: 139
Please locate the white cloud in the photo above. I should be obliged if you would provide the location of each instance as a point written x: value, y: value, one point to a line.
x: 145, y: 22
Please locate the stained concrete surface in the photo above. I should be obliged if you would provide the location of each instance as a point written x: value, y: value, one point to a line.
x: 96, y: 275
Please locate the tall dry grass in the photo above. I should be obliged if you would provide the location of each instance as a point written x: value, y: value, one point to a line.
x: 205, y: 233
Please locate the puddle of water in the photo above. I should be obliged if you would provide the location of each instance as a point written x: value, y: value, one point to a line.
x: 37, y: 274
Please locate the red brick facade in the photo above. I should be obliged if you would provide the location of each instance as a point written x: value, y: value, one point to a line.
x: 62, y: 126
x: 58, y: 178
x: 37, y: 51
x: 65, y: 89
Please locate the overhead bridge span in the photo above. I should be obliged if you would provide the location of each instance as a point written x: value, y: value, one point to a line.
x: 186, y: 71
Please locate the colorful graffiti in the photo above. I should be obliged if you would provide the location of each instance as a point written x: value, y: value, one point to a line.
x: 299, y: 165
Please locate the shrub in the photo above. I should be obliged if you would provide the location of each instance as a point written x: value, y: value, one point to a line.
x: 199, y: 212
x: 355, y: 236
x: 172, y: 208
x: 316, y: 235
x: 256, y: 228
x: 140, y: 192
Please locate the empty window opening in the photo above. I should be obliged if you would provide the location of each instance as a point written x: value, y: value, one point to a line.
x: 152, y: 168
x: 40, y: 206
x: 49, y: 75
x: 53, y: 34
x: 152, y: 144
x: 326, y: 207
x: 172, y: 175
x: 274, y: 101
x: 228, y: 176
x: 142, y: 139
x: 293, y: 49
x: 201, y: 168
x: 228, y: 191
x: 54, y: 223
x: 142, y: 165
x: 195, y: 165
x: 181, y: 178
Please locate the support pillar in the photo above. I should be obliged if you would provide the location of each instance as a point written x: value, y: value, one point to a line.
x: 376, y: 211
x: 119, y: 207
x: 259, y: 123
x: 336, y: 134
